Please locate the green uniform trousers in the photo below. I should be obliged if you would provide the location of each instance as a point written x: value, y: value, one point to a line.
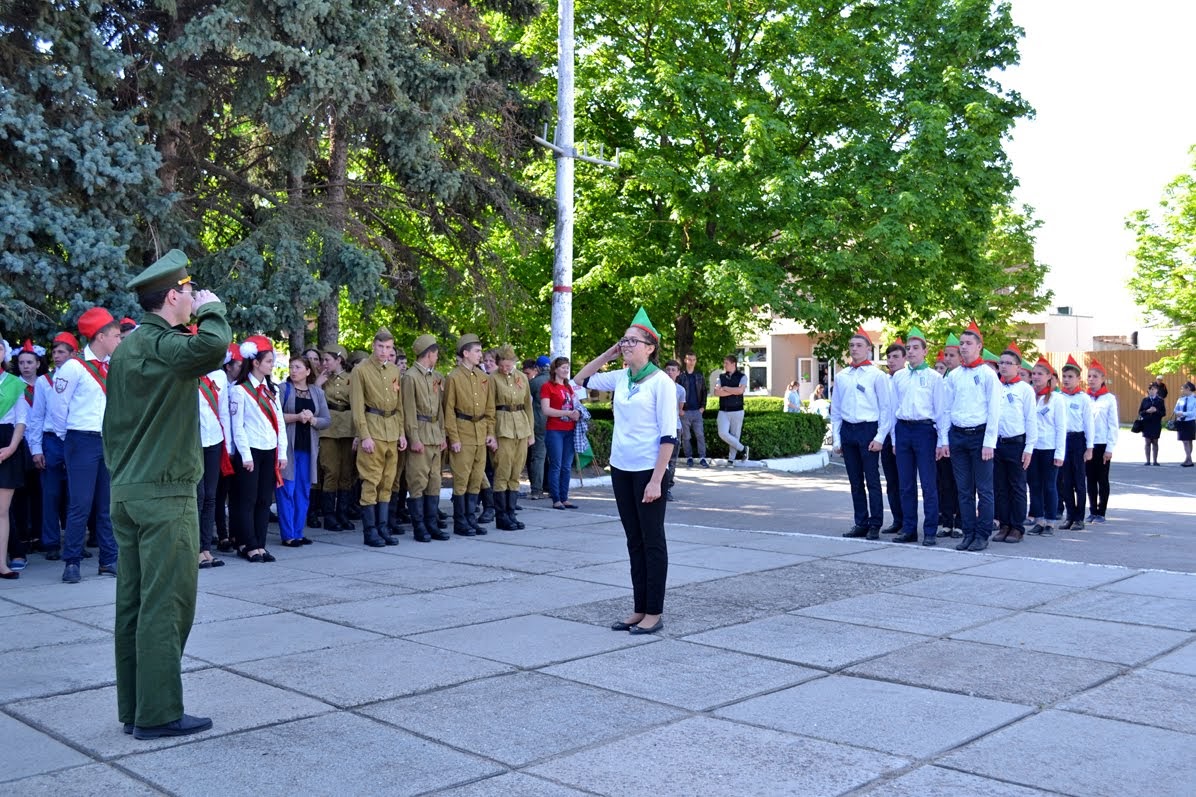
x: 423, y: 472
x: 508, y: 463
x: 377, y: 471
x: 158, y: 540
x: 469, y: 468
x: 335, y: 462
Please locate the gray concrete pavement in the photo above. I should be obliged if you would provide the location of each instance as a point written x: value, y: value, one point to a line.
x: 792, y: 661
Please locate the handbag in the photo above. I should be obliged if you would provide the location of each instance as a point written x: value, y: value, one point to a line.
x: 1171, y: 424
x: 1136, y: 427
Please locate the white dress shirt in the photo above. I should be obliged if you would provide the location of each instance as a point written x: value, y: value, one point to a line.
x: 251, y: 427
x: 1051, y: 413
x: 973, y: 398
x: 918, y: 395
x: 81, y: 399
x: 38, y: 422
x: 16, y: 415
x: 645, y: 414
x: 862, y: 394
x: 1105, y: 421
x: 1079, y: 414
x: 214, y: 424
x: 1017, y: 413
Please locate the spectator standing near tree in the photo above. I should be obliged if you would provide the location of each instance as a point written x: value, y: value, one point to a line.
x: 696, y: 393
x: 732, y: 384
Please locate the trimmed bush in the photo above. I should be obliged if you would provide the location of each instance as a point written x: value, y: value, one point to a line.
x: 752, y: 405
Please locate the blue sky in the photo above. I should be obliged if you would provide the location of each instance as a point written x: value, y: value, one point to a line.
x: 1114, y: 87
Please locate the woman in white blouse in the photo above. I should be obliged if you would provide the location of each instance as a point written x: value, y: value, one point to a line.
x: 260, y: 444
x: 645, y: 409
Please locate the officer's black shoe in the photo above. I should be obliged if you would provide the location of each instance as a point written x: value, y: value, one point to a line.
x: 461, y: 525
x: 415, y: 509
x: 383, y: 511
x: 344, y: 500
x: 369, y: 522
x: 488, y: 511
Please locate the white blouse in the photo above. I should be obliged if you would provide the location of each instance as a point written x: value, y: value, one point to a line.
x: 251, y: 428
x: 645, y: 414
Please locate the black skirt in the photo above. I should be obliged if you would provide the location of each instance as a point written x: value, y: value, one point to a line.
x: 1185, y: 430
x: 12, y: 470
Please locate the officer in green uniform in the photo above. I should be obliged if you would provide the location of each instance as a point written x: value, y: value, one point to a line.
x: 375, y: 396
x: 423, y: 389
x: 469, y: 427
x: 513, y: 427
x: 337, y: 469
x: 151, y: 446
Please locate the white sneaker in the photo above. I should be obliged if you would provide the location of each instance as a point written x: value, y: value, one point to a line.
x: 747, y: 453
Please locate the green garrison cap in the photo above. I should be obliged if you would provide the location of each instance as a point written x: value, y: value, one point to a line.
x: 913, y: 333
x: 422, y: 344
x: 989, y: 357
x: 465, y: 341
x: 169, y: 271
x: 952, y: 342
x: 1026, y: 364
x: 641, y: 321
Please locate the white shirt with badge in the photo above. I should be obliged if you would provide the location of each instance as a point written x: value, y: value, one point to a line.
x: 1017, y: 413
x: 1105, y: 421
x: 918, y: 395
x: 81, y: 398
x: 39, y: 420
x: 1079, y: 414
x: 645, y: 413
x: 250, y: 426
x: 213, y: 424
x: 1051, y: 414
x: 973, y: 399
x: 863, y: 394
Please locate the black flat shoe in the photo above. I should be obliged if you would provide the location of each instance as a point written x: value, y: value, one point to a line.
x: 292, y: 544
x: 622, y: 626
x: 268, y: 557
x: 639, y: 629
x: 256, y: 558
x: 11, y: 574
x: 304, y: 541
x: 183, y: 726
x: 216, y: 562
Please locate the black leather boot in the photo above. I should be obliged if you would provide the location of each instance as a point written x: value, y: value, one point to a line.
x: 502, y: 513
x: 353, y: 505
x: 431, y: 513
x: 471, y: 514
x: 328, y: 507
x: 441, y: 517
x: 415, y: 509
x: 313, y: 514
x: 369, y: 522
x: 488, y: 511
x: 344, y: 500
x: 396, y: 523
x: 512, y: 508
x: 461, y: 525
x: 383, y: 517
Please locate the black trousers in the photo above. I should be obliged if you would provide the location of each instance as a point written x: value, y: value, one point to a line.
x: 1097, y: 474
x: 646, y: 547
x: 888, y: 463
x: 1009, y: 482
x: 205, y: 496
x: 948, y: 496
x: 1072, y: 474
x: 255, y: 492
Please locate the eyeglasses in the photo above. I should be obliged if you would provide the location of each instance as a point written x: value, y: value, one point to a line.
x: 631, y: 343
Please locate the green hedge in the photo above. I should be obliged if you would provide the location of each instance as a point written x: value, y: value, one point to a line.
x: 752, y: 405
x: 768, y: 434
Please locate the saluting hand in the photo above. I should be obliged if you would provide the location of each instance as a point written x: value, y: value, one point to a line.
x: 202, y: 297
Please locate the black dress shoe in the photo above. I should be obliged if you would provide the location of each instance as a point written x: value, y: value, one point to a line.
x: 183, y: 726
x: 978, y: 543
x: 929, y: 542
x: 1067, y: 524
x: 856, y: 531
x: 896, y: 527
x: 621, y: 626
x: 965, y: 542
x: 268, y: 557
x: 54, y: 556
x: 128, y: 728
x: 873, y: 534
x: 639, y: 629
x: 908, y: 536
x: 1077, y: 526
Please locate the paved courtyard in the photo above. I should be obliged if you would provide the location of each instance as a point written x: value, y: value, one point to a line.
x: 790, y: 664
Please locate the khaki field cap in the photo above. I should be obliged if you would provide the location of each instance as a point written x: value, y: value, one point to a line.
x: 422, y: 344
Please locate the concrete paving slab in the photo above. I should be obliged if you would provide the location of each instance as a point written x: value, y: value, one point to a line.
x: 983, y: 591
x: 553, y: 716
x: 1162, y: 699
x: 1163, y: 585
x: 401, y: 615
x: 707, y: 535
x: 367, y: 672
x: 340, y: 563
x: 58, y: 596
x: 19, y: 633
x: 512, y: 784
x: 939, y: 782
x: 238, y: 571
x: 734, y: 559
x: 510, y: 557
x: 618, y: 574
x: 434, y: 576
x: 336, y: 754
x: 884, y: 716
x: 246, y: 639
x: 306, y: 593
x: 970, y: 668
x: 905, y: 613
x: 1181, y: 661
x: 1059, y: 750
x: 942, y: 558
x: 1072, y: 574
x: 694, y: 677
x: 1124, y: 607
x: 531, y: 641
x: 806, y: 640
x: 1077, y: 636
x: 581, y: 539
x: 88, y: 718
x: 10, y: 609
x: 683, y: 614
x: 88, y: 779
x: 714, y: 758
x: 209, y: 608
x: 805, y: 544
x: 27, y: 751
x: 55, y: 669
x: 538, y: 593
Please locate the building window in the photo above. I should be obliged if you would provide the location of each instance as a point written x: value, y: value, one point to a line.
x: 757, y: 378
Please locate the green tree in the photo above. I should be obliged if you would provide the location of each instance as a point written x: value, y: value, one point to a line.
x: 1164, y: 282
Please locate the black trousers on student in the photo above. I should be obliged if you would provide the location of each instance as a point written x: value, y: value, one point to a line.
x: 255, y: 492
x: 646, y: 547
x: 1096, y: 472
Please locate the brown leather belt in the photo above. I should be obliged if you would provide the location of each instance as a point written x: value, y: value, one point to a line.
x: 383, y: 413
x: 425, y: 418
x: 336, y: 405
x: 508, y: 408
x: 462, y: 416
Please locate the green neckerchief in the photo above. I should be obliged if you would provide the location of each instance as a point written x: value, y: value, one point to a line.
x: 921, y: 367
x: 11, y: 391
x: 634, y: 379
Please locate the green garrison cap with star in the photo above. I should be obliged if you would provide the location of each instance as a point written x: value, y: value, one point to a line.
x: 913, y: 333
x: 641, y: 320
x: 168, y: 271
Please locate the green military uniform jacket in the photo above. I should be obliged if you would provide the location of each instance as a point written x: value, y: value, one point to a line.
x: 422, y: 399
x: 512, y: 399
x: 467, y: 392
x: 336, y: 392
x: 151, y: 424
x: 376, y: 386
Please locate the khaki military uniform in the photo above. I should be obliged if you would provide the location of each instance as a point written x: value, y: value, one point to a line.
x: 513, y: 425
x: 376, y: 399
x: 336, y: 442
x: 468, y: 420
x: 423, y: 390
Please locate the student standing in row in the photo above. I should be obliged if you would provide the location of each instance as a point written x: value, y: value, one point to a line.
x: 1105, y: 425
x: 861, y: 415
x: 260, y: 447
